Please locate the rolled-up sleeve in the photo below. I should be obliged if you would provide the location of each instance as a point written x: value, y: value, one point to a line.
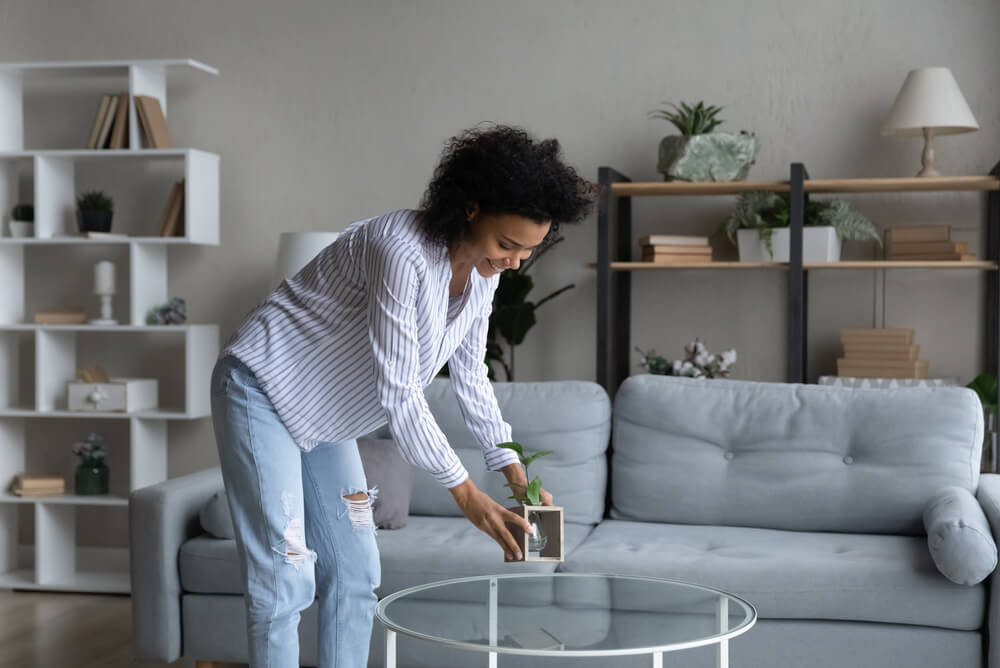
x: 476, y: 398
x: 393, y: 275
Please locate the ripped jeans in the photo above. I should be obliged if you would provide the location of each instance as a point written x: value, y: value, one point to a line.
x: 298, y: 534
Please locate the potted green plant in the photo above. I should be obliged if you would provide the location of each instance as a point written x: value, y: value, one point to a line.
x: 94, y: 212
x: 91, y: 473
x: 546, y: 541
x: 759, y: 226
x: 985, y: 385
x: 22, y: 221
x: 699, y: 153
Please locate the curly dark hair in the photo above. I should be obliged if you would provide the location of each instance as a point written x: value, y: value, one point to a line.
x: 505, y: 171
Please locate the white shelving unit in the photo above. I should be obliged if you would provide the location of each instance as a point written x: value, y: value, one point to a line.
x: 55, y: 562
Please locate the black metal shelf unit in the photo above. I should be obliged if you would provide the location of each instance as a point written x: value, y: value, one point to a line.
x: 614, y: 288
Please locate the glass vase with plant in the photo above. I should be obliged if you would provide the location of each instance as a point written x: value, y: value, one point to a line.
x: 92, y: 471
x: 529, y: 495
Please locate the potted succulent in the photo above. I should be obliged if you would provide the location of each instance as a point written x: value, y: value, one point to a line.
x: 697, y: 362
x: 759, y: 226
x: 698, y: 153
x: 91, y: 473
x: 22, y: 221
x: 546, y: 543
x: 94, y: 212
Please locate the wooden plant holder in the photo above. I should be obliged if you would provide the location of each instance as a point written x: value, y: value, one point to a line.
x: 551, y: 522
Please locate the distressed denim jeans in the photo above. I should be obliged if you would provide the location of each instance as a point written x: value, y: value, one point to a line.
x: 298, y: 536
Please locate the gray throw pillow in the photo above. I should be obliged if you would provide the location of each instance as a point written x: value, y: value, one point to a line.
x: 215, y: 517
x: 386, y: 470
x: 959, y: 536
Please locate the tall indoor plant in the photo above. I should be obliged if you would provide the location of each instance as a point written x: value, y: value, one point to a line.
x: 699, y: 153
x: 759, y: 225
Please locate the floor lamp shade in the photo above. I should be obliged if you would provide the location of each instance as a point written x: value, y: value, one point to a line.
x: 296, y: 249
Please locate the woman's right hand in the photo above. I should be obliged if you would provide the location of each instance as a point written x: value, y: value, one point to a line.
x: 490, y: 517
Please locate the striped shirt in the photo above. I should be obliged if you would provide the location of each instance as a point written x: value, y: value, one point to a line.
x: 351, y: 341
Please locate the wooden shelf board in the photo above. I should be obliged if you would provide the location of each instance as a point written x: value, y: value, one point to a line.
x: 81, y: 581
x: 868, y: 185
x: 903, y: 264
x: 68, y: 499
x: 638, y: 266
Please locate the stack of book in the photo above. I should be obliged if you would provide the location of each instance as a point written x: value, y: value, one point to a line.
x: 925, y: 242
x: 172, y: 217
x: 38, y: 485
x: 880, y: 353
x: 675, y: 249
x: 110, y: 129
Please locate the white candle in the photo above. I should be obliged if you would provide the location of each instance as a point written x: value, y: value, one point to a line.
x: 104, y: 278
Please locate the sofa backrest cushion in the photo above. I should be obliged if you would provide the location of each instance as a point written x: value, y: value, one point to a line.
x: 571, y: 418
x: 789, y: 456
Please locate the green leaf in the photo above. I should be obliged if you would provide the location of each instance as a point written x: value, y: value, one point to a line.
x: 513, y: 445
x: 513, y: 288
x: 514, y: 321
x: 531, y: 458
x: 985, y: 385
x: 533, y: 494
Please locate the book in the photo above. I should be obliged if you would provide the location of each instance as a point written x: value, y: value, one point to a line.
x: 109, y: 117
x: 155, y: 120
x: 908, y: 233
x: 876, y: 335
x: 102, y: 109
x: 910, y: 247
x: 678, y: 258
x: 673, y: 239
x: 667, y: 249
x: 60, y: 317
x: 41, y: 491
x: 35, y: 481
x: 886, y: 351
x: 168, y: 208
x: 875, y: 372
x: 172, y: 224
x: 119, y: 131
x: 942, y: 257
x: 884, y: 364
x: 146, y: 132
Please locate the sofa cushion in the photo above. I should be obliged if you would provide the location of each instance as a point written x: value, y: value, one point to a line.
x: 425, y: 550
x: 959, y: 536
x: 387, y: 471
x: 571, y: 418
x: 215, y: 517
x: 789, y: 575
x: 789, y: 456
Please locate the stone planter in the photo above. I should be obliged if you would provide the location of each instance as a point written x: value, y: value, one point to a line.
x: 819, y: 244
x: 717, y: 156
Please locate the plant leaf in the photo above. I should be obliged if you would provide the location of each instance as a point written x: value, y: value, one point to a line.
x: 533, y: 493
x: 513, y: 445
x: 527, y: 460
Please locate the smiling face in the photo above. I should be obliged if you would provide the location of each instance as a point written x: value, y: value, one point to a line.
x: 500, y: 241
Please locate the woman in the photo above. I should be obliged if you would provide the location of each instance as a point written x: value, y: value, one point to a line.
x: 348, y: 344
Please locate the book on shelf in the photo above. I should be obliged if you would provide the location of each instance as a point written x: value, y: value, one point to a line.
x: 60, y: 317
x: 889, y: 351
x: 172, y: 217
x: 34, y: 480
x: 882, y: 369
x: 940, y: 257
x: 673, y: 240
x: 923, y: 247
x: 109, y: 117
x: 854, y: 335
x: 102, y: 110
x: 46, y: 491
x: 678, y: 258
x: 918, y: 233
x: 153, y: 121
x: 665, y: 249
x: 119, y: 131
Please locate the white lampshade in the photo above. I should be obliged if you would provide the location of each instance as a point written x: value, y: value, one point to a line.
x: 929, y: 98
x: 296, y: 249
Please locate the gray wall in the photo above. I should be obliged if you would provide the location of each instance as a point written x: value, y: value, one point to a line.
x: 326, y: 112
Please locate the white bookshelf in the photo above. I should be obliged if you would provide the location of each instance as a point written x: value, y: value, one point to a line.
x: 55, y: 561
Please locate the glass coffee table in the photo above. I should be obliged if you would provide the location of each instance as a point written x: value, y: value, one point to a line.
x: 566, y: 615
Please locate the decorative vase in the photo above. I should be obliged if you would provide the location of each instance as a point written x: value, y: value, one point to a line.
x: 537, y: 540
x: 20, y: 229
x: 91, y: 477
x: 716, y: 156
x: 819, y: 244
x: 93, y: 220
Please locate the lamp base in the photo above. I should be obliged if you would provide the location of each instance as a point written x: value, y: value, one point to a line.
x: 927, y: 157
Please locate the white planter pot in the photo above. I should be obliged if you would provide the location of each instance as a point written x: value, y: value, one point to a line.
x: 819, y: 244
x: 22, y: 228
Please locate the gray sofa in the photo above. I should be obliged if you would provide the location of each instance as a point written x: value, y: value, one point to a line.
x: 806, y: 500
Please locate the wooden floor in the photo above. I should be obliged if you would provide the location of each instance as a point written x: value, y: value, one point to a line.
x: 48, y: 630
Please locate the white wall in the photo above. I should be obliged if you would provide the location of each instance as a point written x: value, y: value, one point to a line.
x: 326, y: 112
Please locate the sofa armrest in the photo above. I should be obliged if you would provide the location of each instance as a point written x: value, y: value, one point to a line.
x: 161, y: 518
x: 988, y: 496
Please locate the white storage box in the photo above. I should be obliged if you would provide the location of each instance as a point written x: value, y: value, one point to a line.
x: 121, y: 394
x: 819, y: 244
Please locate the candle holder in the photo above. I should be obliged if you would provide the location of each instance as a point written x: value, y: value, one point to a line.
x: 104, y: 287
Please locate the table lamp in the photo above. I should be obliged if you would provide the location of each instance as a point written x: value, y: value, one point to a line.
x: 104, y: 287
x: 296, y: 249
x: 929, y: 103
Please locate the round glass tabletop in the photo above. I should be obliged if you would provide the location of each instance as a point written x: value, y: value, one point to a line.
x: 566, y: 614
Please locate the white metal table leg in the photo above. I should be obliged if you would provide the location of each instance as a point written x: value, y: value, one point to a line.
x: 657, y: 659
x: 722, y: 654
x: 390, y: 648
x: 493, y: 621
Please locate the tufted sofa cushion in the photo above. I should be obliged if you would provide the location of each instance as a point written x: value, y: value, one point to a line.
x: 787, y: 456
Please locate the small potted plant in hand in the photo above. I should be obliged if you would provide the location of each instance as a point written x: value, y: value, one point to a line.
x: 94, y: 212
x: 22, y: 221
x: 92, y: 472
x: 546, y: 543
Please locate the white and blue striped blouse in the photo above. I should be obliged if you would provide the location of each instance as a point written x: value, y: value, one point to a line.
x: 351, y: 341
